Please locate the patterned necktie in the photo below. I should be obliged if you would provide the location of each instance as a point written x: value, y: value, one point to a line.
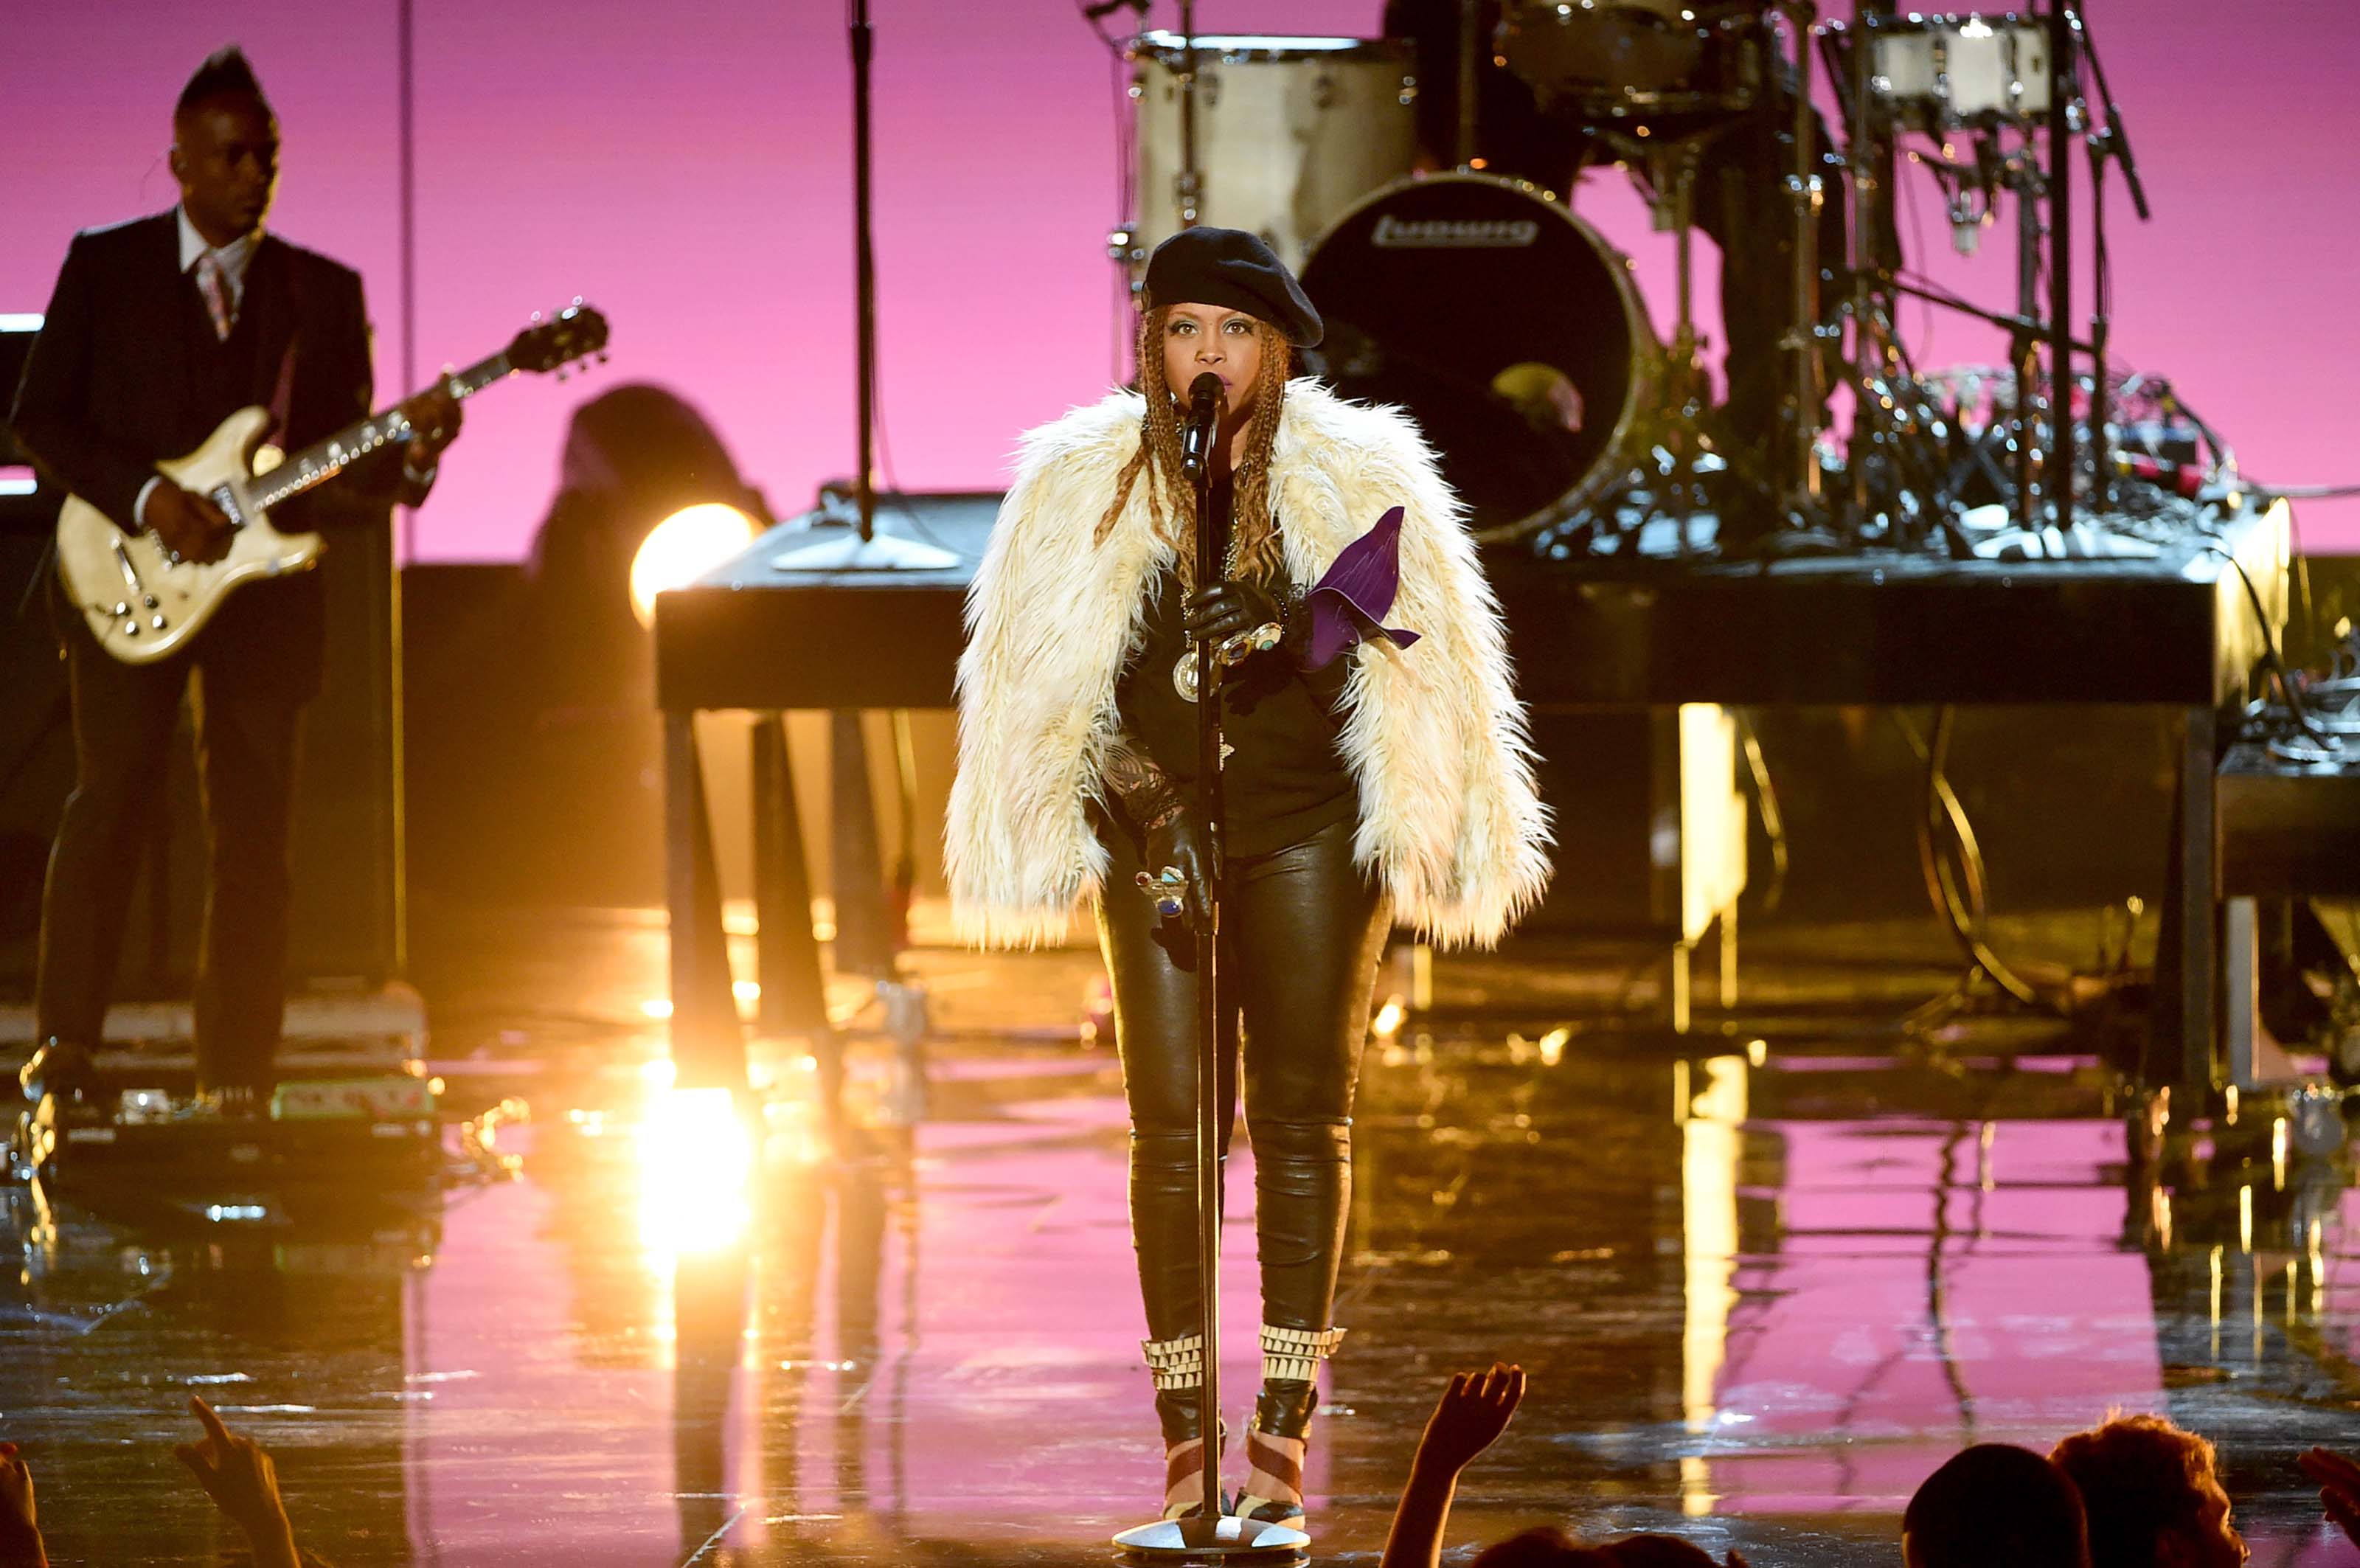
x: 214, y: 284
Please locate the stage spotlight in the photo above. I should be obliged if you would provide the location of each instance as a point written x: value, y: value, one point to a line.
x: 696, y: 1165
x: 683, y: 547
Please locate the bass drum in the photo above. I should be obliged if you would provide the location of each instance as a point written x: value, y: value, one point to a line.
x: 1506, y: 326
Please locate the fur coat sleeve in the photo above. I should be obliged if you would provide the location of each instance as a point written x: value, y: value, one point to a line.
x: 1450, y: 822
x: 1450, y: 816
x: 1036, y: 687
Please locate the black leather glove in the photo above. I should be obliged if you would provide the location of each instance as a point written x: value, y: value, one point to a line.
x: 1225, y: 610
x: 1181, y: 840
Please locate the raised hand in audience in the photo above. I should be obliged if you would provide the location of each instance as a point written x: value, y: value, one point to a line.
x: 237, y: 1474
x: 20, y: 1537
x: 2339, y: 1488
x: 1471, y: 1414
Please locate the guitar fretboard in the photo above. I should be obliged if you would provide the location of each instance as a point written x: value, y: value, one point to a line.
x: 324, y: 460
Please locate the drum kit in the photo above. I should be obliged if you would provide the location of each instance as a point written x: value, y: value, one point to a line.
x: 1518, y: 335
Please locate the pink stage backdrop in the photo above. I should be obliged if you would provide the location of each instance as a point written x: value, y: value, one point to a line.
x: 687, y: 169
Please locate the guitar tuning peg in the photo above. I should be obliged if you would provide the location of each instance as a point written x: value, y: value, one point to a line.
x: 577, y: 301
x: 536, y: 315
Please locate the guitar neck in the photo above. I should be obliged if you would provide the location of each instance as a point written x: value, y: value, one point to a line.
x: 324, y: 460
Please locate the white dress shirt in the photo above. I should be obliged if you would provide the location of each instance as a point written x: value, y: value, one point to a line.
x: 234, y: 258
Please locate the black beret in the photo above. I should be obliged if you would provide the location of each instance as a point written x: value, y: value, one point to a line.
x: 1231, y: 268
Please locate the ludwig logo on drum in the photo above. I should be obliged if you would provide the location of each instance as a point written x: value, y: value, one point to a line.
x: 1453, y: 233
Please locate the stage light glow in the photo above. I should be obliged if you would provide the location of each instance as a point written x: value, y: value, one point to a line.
x: 696, y: 1166
x: 682, y: 548
x: 1712, y: 1143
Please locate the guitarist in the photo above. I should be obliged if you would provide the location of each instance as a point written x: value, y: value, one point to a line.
x: 159, y: 329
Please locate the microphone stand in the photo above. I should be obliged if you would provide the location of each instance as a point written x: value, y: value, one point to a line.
x: 1209, y: 994
x: 863, y: 549
x: 1210, y: 1536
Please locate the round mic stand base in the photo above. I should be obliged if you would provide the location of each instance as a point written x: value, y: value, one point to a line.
x: 1223, y: 1538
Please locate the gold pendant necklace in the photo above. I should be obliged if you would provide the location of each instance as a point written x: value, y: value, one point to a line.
x: 1184, y: 674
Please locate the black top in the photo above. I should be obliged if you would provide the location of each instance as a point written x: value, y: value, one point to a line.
x: 1284, y: 779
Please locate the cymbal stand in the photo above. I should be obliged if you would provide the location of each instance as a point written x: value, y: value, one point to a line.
x: 1188, y: 186
x: 1671, y: 164
x: 1883, y: 393
x: 1888, y: 456
x: 2064, y: 121
x: 2026, y: 180
x: 2110, y: 140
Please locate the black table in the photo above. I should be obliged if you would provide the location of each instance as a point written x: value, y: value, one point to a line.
x: 2183, y: 629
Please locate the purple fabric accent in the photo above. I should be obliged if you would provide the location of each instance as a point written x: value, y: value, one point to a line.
x: 1350, y: 600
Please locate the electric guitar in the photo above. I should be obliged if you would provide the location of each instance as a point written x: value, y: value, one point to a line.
x: 142, y: 602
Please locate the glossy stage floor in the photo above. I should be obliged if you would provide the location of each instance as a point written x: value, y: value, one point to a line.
x: 1761, y: 1291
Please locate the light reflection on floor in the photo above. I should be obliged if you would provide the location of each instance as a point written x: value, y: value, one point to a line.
x: 1759, y: 1304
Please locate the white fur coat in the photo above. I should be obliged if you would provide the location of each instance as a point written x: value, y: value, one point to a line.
x: 1433, y: 735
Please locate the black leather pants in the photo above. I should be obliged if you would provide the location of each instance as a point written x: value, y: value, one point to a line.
x: 1302, y: 931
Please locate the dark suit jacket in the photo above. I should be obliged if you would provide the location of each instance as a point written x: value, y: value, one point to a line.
x: 105, y: 393
x: 111, y: 387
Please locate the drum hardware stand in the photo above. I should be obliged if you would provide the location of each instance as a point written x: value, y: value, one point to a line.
x: 1123, y: 245
x: 1870, y: 171
x: 1890, y: 418
x: 2024, y: 339
x: 1799, y: 484
x: 2110, y: 140
x: 1671, y: 165
x: 2018, y: 171
x: 1188, y: 186
x: 1210, y: 1536
x: 2064, y: 120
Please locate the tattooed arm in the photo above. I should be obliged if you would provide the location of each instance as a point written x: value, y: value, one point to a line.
x: 1147, y: 794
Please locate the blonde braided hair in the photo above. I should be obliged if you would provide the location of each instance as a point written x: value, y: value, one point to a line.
x: 1171, y: 502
